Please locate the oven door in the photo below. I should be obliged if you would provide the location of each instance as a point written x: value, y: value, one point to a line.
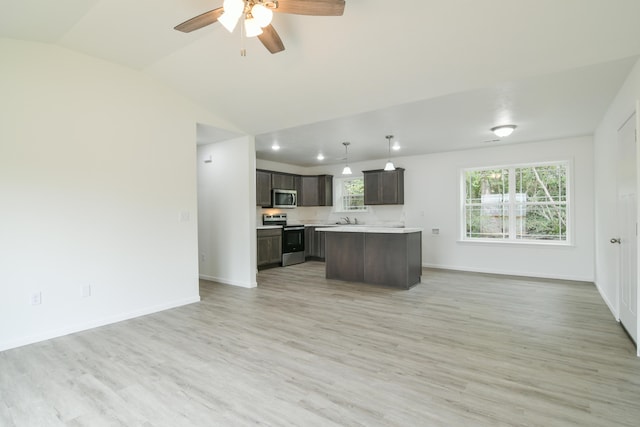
x: 292, y: 239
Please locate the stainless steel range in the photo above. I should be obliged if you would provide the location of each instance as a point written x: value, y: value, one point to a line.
x: 292, y: 238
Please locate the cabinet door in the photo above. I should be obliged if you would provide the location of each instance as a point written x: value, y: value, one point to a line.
x: 275, y: 249
x: 309, y: 233
x: 325, y: 190
x: 372, y: 188
x: 309, y: 191
x: 269, y: 245
x: 263, y: 188
x: 319, y: 244
x: 283, y: 181
x: 264, y: 247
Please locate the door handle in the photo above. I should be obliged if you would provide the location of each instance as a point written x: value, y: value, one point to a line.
x: 615, y: 240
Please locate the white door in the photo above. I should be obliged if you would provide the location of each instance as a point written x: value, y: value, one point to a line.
x: 627, y: 223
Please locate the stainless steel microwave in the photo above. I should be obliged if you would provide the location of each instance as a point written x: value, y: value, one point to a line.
x: 284, y: 199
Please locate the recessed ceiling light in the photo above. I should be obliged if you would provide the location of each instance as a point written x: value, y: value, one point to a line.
x: 275, y: 146
x: 502, y: 131
x: 396, y: 146
x: 320, y: 156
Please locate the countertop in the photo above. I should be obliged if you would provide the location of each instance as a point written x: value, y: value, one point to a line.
x: 369, y: 229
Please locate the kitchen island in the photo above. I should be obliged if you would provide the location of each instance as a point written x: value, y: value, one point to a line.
x: 377, y: 255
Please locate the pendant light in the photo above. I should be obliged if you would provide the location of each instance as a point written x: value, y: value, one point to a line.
x: 389, y: 166
x: 347, y: 169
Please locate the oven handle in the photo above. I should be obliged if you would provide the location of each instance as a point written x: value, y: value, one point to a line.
x: 293, y: 228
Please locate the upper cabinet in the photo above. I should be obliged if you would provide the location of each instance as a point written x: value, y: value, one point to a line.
x: 315, y: 190
x: 384, y: 187
x: 283, y: 181
x: 263, y: 188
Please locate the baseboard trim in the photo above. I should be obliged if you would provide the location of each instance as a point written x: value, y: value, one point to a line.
x: 229, y: 282
x: 96, y: 323
x: 586, y: 280
x: 612, y: 309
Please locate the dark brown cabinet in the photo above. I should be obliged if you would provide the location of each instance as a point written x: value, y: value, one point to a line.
x: 269, y: 243
x: 263, y: 188
x: 388, y: 259
x: 283, y: 181
x: 384, y: 187
x: 315, y: 190
x: 314, y: 243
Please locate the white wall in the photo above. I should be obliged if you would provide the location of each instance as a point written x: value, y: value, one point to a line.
x: 226, y: 212
x: 97, y: 188
x: 432, y: 201
x: 605, y: 147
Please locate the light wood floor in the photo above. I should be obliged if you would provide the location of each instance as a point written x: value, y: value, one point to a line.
x: 458, y: 349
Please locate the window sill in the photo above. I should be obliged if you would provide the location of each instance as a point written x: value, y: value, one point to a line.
x: 491, y: 242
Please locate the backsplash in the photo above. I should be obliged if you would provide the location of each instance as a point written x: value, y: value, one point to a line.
x: 389, y: 216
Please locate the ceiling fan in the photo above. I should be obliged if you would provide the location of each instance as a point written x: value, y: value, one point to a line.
x: 257, y: 17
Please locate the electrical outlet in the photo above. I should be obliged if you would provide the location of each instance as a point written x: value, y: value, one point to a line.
x: 36, y: 298
x: 86, y: 291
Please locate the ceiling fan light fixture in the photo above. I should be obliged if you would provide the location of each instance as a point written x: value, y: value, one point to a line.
x: 228, y: 22
x: 251, y: 27
x: 233, y: 7
x: 502, y: 131
x: 262, y: 14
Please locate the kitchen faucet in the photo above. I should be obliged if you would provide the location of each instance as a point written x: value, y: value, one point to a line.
x: 347, y: 220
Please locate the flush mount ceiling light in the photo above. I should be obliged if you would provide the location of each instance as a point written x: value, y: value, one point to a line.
x: 320, y: 156
x: 389, y: 166
x: 257, y: 16
x: 502, y: 131
x: 275, y: 146
x: 347, y: 169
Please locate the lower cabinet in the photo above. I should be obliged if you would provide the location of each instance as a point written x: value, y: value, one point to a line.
x: 314, y: 244
x: 269, y: 244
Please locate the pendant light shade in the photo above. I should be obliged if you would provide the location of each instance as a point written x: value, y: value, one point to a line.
x: 347, y: 169
x: 389, y: 166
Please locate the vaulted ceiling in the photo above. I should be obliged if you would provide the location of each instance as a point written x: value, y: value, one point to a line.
x: 436, y: 74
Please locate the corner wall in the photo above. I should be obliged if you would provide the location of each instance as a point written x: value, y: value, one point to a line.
x: 227, y: 212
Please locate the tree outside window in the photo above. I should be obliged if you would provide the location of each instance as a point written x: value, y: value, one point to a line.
x: 526, y: 203
x: 349, y: 194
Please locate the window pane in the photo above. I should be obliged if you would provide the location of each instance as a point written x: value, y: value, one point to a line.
x: 486, y: 207
x: 351, y: 194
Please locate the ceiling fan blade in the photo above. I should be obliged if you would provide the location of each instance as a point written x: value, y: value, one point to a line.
x: 271, y: 40
x: 200, y: 21
x: 311, y: 7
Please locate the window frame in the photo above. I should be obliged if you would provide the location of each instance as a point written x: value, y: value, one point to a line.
x: 512, y: 206
x: 338, y: 185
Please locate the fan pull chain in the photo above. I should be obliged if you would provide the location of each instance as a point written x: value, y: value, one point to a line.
x: 243, y: 51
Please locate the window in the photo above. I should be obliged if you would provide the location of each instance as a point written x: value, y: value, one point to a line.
x: 349, y: 194
x: 516, y: 203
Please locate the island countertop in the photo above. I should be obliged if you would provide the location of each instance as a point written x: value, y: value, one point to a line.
x: 370, y: 229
